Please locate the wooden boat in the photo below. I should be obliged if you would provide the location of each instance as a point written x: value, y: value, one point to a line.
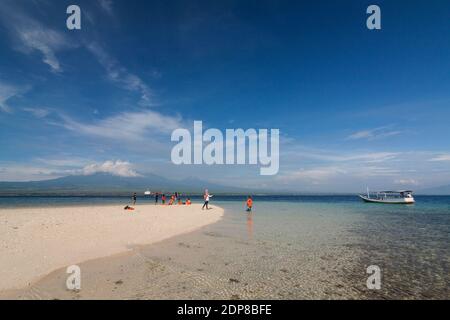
x: 389, y: 197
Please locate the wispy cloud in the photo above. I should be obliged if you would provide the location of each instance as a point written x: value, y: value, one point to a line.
x: 6, y: 93
x: 306, y: 167
x: 46, y: 41
x: 407, y: 182
x: 37, y: 112
x: 366, y: 172
x: 120, y: 75
x: 31, y: 35
x: 333, y: 173
x: 43, y: 169
x: 133, y: 126
x: 441, y: 157
x: 371, y: 134
x: 314, y: 175
x: 106, y: 6
x: 330, y: 156
x: 68, y: 161
x: 29, y: 172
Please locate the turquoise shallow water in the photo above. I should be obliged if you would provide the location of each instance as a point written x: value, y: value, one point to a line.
x: 410, y: 244
x: 305, y: 247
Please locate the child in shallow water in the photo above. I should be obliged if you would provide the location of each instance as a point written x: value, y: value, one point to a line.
x: 249, y: 203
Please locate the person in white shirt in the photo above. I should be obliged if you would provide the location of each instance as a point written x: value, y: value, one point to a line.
x: 206, y: 197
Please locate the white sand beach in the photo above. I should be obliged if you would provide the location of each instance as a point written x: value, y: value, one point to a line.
x: 37, y: 241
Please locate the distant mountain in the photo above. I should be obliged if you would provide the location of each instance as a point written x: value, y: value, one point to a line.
x: 438, y: 191
x: 104, y: 184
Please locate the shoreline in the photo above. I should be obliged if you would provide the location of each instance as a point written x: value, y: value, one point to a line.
x: 217, y: 261
x: 51, y: 286
x: 283, y: 250
x: 39, y: 241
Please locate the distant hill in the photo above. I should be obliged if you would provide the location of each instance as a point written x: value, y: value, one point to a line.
x: 106, y: 184
x: 438, y: 191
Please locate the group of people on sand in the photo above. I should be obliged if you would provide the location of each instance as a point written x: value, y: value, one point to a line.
x: 176, y: 198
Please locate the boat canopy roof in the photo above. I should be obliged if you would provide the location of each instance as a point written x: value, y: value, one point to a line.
x: 398, y: 191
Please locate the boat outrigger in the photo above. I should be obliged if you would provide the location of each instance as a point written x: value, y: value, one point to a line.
x: 390, y: 197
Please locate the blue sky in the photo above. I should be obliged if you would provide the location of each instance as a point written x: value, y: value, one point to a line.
x: 355, y: 107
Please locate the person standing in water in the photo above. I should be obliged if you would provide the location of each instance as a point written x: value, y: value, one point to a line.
x: 134, y: 198
x: 249, y: 203
x: 206, y: 197
x: 156, y: 198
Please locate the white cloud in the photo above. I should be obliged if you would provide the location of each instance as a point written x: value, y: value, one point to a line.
x: 44, y: 40
x: 19, y: 172
x: 117, y: 168
x: 408, y: 182
x: 441, y: 157
x: 313, y: 174
x: 316, y: 174
x: 30, y: 35
x: 38, y: 112
x: 126, y: 126
x: 107, y: 6
x: 69, y: 161
x: 6, y: 93
x: 373, y: 171
x: 306, y: 168
x: 377, y: 133
x: 46, y: 169
x: 325, y: 155
x: 360, y: 135
x: 120, y: 75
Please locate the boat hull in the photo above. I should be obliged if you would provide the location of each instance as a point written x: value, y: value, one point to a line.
x: 388, y: 201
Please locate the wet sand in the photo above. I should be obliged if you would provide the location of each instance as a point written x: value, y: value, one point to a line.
x: 38, y: 241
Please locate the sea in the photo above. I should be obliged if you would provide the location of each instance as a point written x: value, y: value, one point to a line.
x: 306, y: 246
